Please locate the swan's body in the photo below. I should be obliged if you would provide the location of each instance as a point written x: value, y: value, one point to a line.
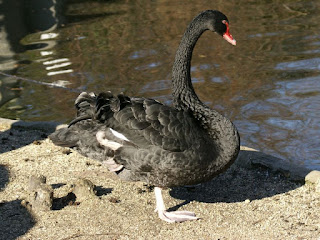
x: 143, y: 140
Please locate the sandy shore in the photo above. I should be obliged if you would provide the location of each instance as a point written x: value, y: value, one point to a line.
x: 259, y: 197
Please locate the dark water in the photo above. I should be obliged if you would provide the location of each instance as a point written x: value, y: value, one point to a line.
x: 269, y: 84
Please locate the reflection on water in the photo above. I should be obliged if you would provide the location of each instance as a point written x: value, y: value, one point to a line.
x: 269, y: 84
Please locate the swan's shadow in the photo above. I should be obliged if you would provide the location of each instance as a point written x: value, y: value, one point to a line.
x: 236, y: 185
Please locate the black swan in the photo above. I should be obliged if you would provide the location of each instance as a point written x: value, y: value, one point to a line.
x: 141, y: 139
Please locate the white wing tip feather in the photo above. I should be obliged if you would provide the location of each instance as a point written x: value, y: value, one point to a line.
x: 105, y: 142
x: 119, y: 135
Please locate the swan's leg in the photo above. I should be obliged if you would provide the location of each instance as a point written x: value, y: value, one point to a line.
x: 177, y: 216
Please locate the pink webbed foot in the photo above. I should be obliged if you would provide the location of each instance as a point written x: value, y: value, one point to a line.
x: 176, y: 216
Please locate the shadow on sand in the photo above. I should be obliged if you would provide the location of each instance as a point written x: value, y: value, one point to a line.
x: 257, y: 181
x: 15, y: 220
x: 15, y: 137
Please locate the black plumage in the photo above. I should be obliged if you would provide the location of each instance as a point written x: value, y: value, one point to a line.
x: 141, y: 139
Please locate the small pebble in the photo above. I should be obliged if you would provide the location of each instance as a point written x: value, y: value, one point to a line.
x: 40, y: 194
x: 247, y: 201
x: 36, y: 142
x: 66, y: 151
x: 114, y: 200
x: 84, y: 189
x: 36, y: 181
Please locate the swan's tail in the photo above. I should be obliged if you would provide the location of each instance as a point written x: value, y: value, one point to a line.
x: 84, y: 132
x: 95, y: 108
x: 70, y: 136
x: 99, y: 108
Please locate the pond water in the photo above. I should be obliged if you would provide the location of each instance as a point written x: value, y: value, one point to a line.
x: 268, y: 85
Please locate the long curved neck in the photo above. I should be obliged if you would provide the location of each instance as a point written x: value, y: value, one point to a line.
x: 220, y: 129
x: 184, y: 96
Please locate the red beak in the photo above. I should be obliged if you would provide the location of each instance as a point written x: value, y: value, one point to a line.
x: 227, y: 36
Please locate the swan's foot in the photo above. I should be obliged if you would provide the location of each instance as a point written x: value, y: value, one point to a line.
x: 112, y: 165
x: 177, y: 216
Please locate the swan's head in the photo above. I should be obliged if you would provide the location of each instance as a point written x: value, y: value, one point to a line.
x: 219, y: 23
